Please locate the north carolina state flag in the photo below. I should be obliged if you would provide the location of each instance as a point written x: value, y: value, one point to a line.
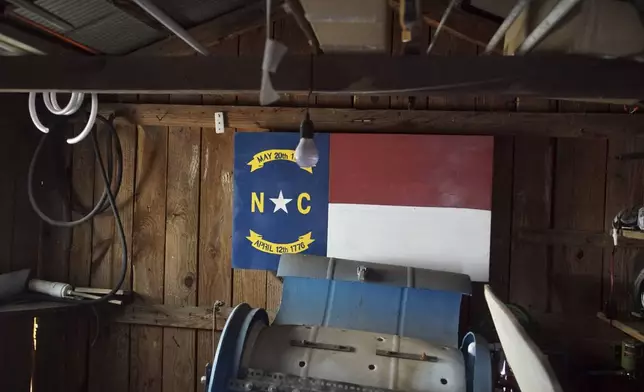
x: 413, y: 200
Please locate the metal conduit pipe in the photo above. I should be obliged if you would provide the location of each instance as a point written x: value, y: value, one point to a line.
x: 512, y: 16
x: 559, y: 11
x: 171, y: 25
x: 446, y: 14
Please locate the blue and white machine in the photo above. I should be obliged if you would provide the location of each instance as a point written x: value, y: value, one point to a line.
x: 352, y: 326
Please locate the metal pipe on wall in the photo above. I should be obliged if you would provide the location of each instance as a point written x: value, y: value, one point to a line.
x: 171, y: 25
x: 446, y: 14
x: 559, y: 11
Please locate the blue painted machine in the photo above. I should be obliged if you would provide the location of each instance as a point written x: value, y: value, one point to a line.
x: 353, y: 326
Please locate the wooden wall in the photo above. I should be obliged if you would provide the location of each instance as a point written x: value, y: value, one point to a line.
x: 20, y: 238
x: 176, y: 206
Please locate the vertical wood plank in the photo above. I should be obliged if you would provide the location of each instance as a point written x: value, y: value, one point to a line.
x: 146, y: 355
x: 51, y: 193
x: 250, y: 285
x: 125, y: 200
x: 103, y: 225
x: 399, y: 48
x: 110, y: 355
x: 229, y: 47
x: 441, y: 48
x: 215, y: 218
x: 251, y: 44
x: 24, y: 254
x: 7, y: 179
x: 459, y: 47
x: 493, y: 102
x: 377, y: 101
x: 624, y: 189
x: 532, y: 202
x: 77, y: 331
x: 501, y: 226
x: 579, y: 205
x: 182, y: 223
x: 287, y: 32
x: 21, y: 251
x: 215, y: 247
x: 103, y: 371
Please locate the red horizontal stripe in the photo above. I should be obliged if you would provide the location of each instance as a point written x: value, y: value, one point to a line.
x: 411, y: 170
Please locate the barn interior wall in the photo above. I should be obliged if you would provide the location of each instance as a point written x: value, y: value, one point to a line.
x: 176, y: 207
x: 20, y: 237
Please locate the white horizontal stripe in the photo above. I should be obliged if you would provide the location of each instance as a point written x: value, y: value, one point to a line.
x: 439, y: 238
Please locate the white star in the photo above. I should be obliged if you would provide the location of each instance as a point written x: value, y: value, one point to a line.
x: 280, y: 203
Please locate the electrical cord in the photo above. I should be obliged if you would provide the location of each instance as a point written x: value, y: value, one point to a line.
x: 101, y: 205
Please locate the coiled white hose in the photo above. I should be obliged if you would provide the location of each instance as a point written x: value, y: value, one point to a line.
x: 75, y: 103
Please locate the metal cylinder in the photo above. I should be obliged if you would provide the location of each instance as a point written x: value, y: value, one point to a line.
x: 500, y: 33
x: 560, y: 10
x: 631, y: 355
x: 54, y: 289
x: 171, y: 25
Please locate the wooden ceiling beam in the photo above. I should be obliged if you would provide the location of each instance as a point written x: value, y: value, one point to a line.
x: 257, y: 118
x: 212, y: 33
x: 561, y: 76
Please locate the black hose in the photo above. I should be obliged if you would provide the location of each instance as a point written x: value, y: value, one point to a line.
x: 107, y: 199
x: 102, y: 204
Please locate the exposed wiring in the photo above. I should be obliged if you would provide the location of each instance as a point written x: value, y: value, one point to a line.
x: 74, y: 104
x: 101, y: 205
x: 439, y: 87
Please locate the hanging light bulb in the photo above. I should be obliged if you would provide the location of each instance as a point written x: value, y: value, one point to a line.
x: 306, y: 153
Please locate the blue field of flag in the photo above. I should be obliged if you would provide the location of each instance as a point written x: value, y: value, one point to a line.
x: 278, y: 207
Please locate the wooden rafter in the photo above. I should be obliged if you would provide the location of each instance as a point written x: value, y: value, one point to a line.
x: 461, y: 24
x: 294, y: 7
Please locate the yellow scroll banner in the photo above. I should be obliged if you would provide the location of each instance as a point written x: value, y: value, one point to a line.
x: 259, y: 243
x: 266, y: 156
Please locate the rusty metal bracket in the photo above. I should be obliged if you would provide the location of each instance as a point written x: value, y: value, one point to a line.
x: 322, y: 346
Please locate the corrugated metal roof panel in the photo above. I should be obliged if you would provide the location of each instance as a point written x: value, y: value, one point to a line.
x: 78, y: 13
x: 115, y: 34
x: 97, y: 24
x: 189, y: 13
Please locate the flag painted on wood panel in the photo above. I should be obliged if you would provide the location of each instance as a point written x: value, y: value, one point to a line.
x: 278, y: 207
x: 415, y: 200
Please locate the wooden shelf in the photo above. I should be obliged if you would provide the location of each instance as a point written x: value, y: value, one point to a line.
x: 634, y: 329
x: 633, y: 234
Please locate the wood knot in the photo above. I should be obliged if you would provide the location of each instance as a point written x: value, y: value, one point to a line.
x: 188, y: 281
